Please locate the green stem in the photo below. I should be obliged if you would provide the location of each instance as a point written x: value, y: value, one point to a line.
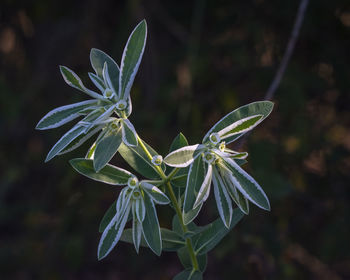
x: 174, y: 202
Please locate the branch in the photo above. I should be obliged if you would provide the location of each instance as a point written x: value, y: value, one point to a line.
x: 289, y: 50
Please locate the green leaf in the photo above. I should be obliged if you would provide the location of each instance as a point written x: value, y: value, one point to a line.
x: 184, y: 156
x: 63, y: 114
x: 170, y: 240
x: 97, y: 81
x: 112, y: 234
x: 140, y: 209
x: 64, y: 141
x: 214, y: 232
x: 129, y: 133
x: 109, y: 174
x: 156, y: 194
x: 178, y: 142
x: 108, y: 216
x: 73, y: 80
x: 223, y: 200
x: 194, y: 182
x: 136, y: 230
x: 247, y: 185
x: 204, y: 190
x: 107, y: 147
x: 236, y: 195
x: 181, y: 176
x: 138, y: 160
x: 151, y: 229
x: 189, y: 274
x: 185, y: 259
x: 177, y: 228
x: 256, y: 108
x: 78, y: 141
x: 131, y: 58
x: 240, y: 127
x: 97, y: 59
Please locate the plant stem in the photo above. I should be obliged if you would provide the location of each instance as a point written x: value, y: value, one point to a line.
x: 174, y: 202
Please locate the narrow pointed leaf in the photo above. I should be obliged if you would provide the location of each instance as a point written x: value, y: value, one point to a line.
x: 112, y: 234
x: 73, y: 80
x: 136, y: 231
x: 236, y: 195
x: 140, y: 210
x: 64, y: 141
x: 170, y: 240
x: 107, y: 78
x: 194, y: 181
x: 109, y: 174
x: 184, y: 156
x: 214, y: 232
x: 97, y: 81
x: 106, y: 148
x: 256, y: 108
x: 247, y: 185
x: 108, y: 216
x: 204, y: 190
x: 156, y: 194
x: 223, y: 200
x: 81, y: 139
x: 151, y: 229
x: 178, y: 142
x: 241, y: 126
x: 98, y: 58
x: 131, y: 58
x: 63, y: 114
x: 129, y: 133
x: 139, y: 161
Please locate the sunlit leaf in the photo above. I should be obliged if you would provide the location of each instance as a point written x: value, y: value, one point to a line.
x: 131, y: 58
x: 109, y: 174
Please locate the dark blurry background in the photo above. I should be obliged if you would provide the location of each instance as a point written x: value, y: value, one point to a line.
x: 202, y: 60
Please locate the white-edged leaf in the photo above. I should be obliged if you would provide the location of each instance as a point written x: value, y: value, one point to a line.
x: 112, y: 234
x: 64, y: 141
x: 129, y: 133
x: 97, y: 59
x: 136, y: 229
x: 73, y: 80
x: 241, y: 201
x: 247, y: 185
x: 63, y: 114
x: 205, y: 187
x: 241, y: 126
x: 109, y: 174
x: 108, y: 216
x: 150, y: 227
x: 107, y: 79
x: 77, y: 142
x: 104, y: 116
x: 97, y: 81
x: 184, y: 156
x: 140, y: 209
x: 107, y: 147
x: 214, y: 232
x: 195, y: 179
x: 223, y: 200
x: 256, y: 108
x: 156, y: 194
x: 131, y: 58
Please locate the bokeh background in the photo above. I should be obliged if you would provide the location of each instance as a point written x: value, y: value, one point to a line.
x: 203, y: 59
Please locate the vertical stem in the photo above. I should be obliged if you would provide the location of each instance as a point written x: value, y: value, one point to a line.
x: 175, y: 204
